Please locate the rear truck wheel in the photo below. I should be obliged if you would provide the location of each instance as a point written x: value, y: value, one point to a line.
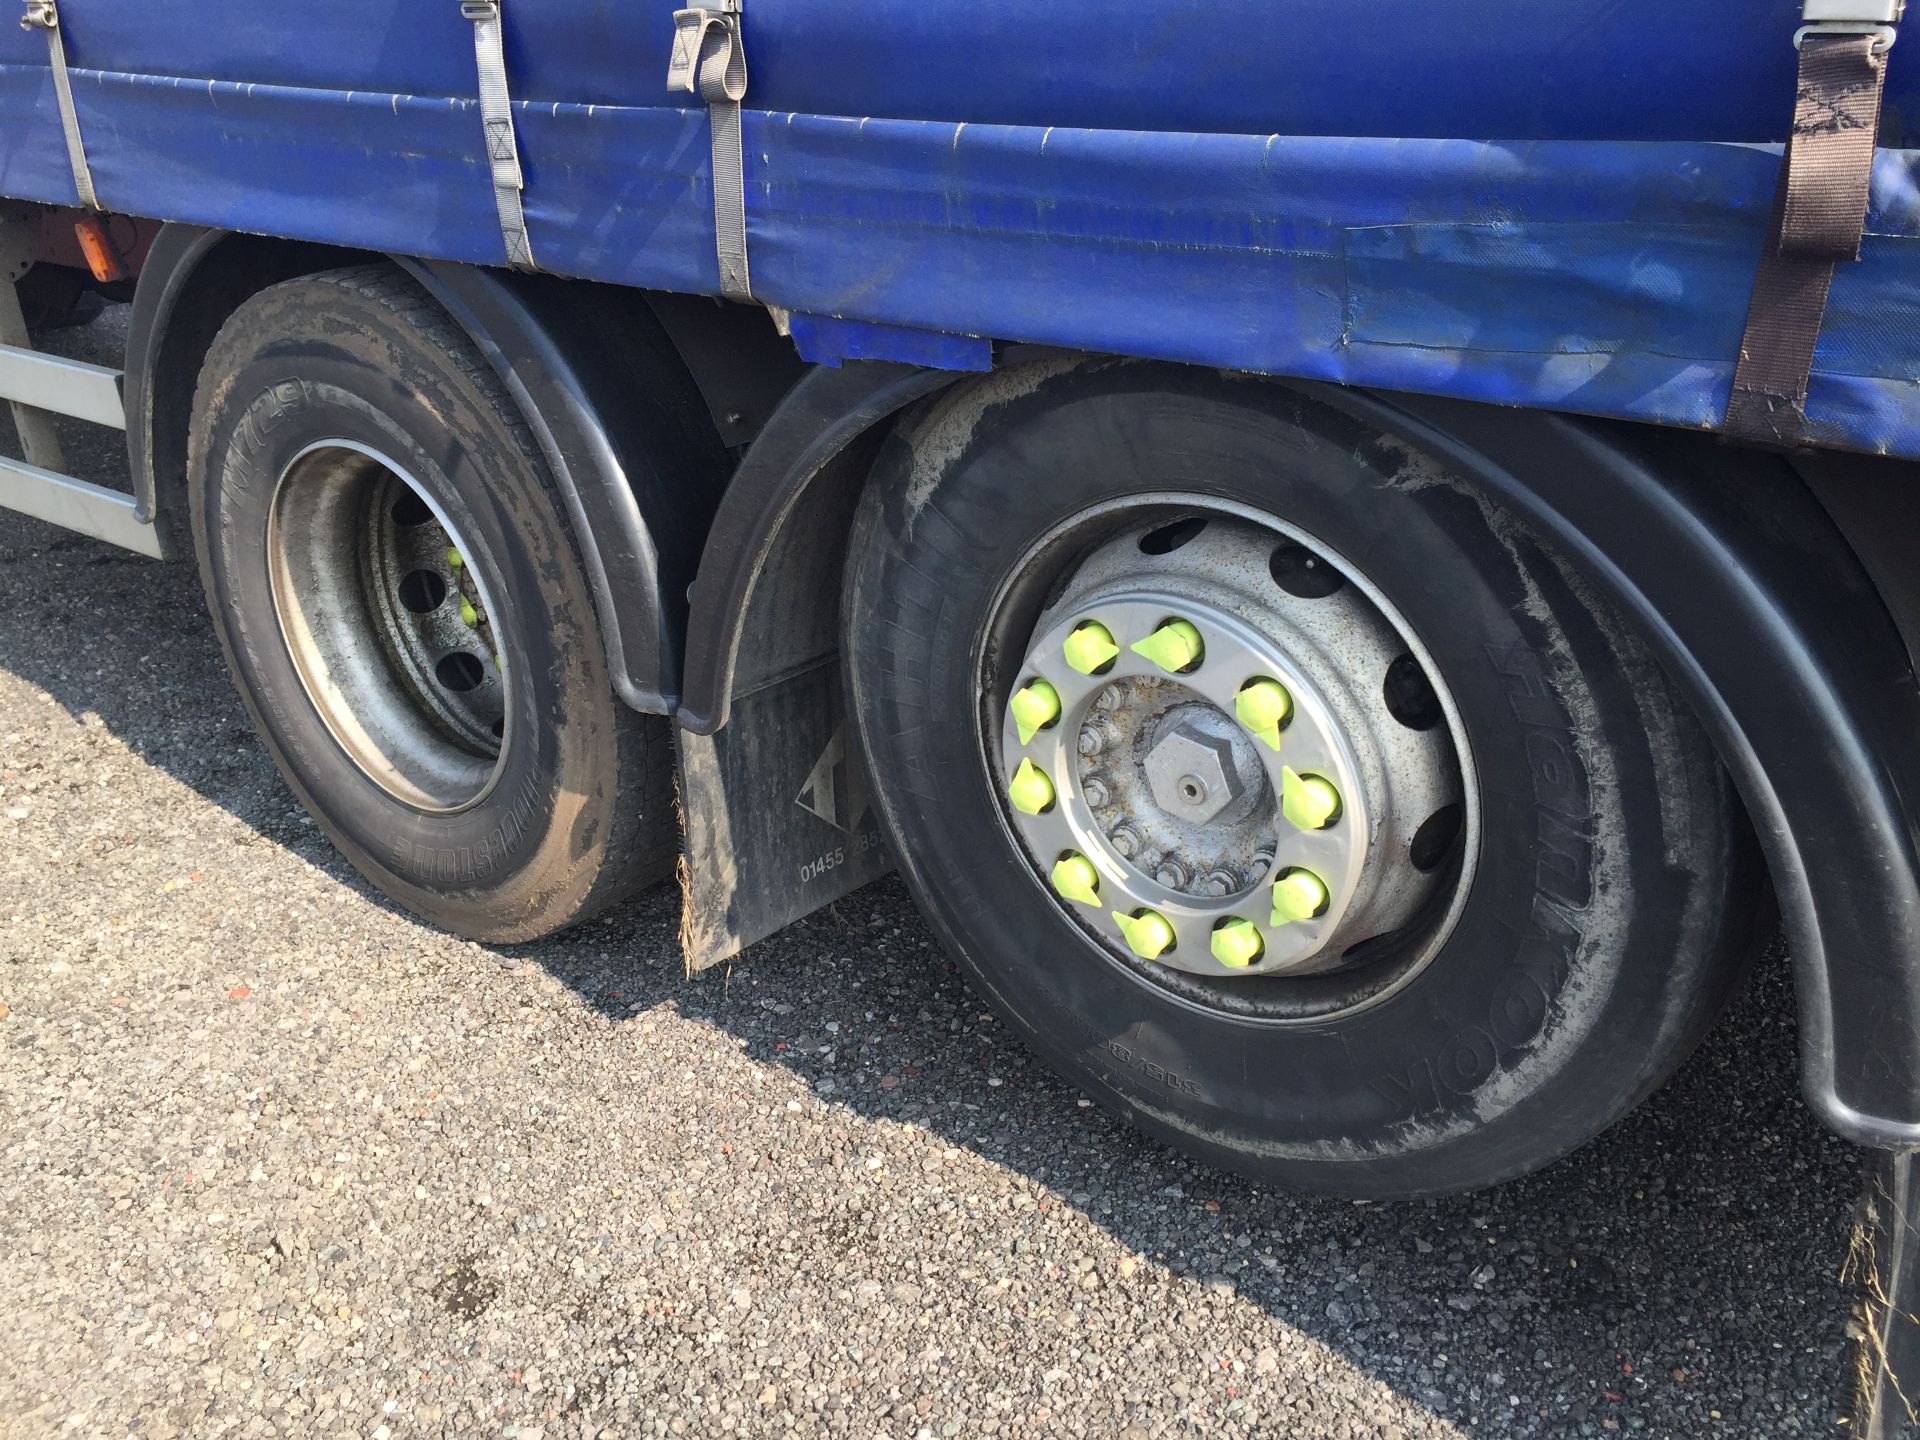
x: 407, y: 617
x: 1280, y: 791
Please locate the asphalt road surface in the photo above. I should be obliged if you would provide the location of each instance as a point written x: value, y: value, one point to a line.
x: 277, y: 1160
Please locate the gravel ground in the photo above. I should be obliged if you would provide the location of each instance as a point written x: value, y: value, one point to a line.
x: 274, y: 1159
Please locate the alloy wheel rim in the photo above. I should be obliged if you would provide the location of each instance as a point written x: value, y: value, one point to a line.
x: 1244, y: 900
x: 390, y: 625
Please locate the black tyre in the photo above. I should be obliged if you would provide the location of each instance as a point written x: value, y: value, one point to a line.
x: 407, y: 616
x: 1537, y: 883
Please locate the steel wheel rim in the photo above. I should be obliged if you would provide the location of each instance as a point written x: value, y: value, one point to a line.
x: 1290, y: 980
x: 389, y: 625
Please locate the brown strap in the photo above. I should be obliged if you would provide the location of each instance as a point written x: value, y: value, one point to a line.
x: 1819, y: 212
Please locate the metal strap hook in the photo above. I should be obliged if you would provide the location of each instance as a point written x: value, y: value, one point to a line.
x: 710, y: 60
x: 45, y: 15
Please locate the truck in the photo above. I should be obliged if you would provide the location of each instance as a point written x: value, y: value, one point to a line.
x: 1354, y: 556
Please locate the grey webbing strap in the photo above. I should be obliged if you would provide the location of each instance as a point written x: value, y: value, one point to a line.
x: 1819, y: 212
x: 45, y: 15
x: 496, y: 115
x: 710, y: 60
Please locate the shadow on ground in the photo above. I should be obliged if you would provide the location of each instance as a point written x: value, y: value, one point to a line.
x: 1682, y: 1265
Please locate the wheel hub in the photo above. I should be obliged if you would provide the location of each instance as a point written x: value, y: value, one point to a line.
x: 1216, y: 784
x: 389, y: 626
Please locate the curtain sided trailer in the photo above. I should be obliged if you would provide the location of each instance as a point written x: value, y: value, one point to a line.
x: 1343, y: 550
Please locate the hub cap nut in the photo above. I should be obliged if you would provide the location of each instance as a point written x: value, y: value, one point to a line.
x: 1237, y: 944
x: 1298, y: 895
x: 1308, y: 801
x: 1147, y: 932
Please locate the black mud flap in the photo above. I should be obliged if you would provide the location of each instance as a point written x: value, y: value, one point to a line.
x: 1884, y: 1266
x: 776, y: 816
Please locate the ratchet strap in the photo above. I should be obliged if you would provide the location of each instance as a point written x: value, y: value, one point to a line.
x: 710, y: 60
x: 1819, y: 211
x: 496, y: 115
x: 45, y: 15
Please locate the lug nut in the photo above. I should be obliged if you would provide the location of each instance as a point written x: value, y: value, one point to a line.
x: 1107, y: 699
x: 1263, y: 706
x: 1035, y: 708
x: 1308, y: 801
x: 1031, y: 790
x: 1126, y: 840
x: 1090, y: 648
x: 469, y: 616
x: 1147, y: 932
x: 1220, y: 883
x: 1096, y: 792
x: 1174, y: 647
x: 1237, y: 943
x: 454, y: 561
x: 1074, y: 878
x: 1172, y: 874
x: 1092, y: 740
x: 1298, y: 895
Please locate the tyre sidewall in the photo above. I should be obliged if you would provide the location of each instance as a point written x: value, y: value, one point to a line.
x: 283, y: 381
x: 1579, y: 947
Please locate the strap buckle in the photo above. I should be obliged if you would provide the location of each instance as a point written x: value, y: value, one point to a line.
x: 692, y: 31
x: 41, y: 14
x: 1885, y: 34
x: 478, y: 10
x: 1851, y: 17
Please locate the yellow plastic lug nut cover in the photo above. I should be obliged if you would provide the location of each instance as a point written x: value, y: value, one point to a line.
x: 1075, y: 879
x: 469, y: 616
x: 1174, y: 647
x: 1237, y: 944
x: 1031, y: 791
x: 1148, y: 934
x: 1298, y: 895
x: 1090, y: 647
x: 1308, y: 801
x: 454, y: 560
x: 1034, y: 708
x: 1263, y: 706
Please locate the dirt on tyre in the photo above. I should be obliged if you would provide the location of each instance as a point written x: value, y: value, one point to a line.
x: 407, y: 617
x: 1277, y: 788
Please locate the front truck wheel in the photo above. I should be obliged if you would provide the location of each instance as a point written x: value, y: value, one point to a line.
x: 403, y: 607
x: 1280, y: 790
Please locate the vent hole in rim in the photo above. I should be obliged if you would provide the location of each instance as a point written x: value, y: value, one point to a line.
x: 410, y: 509
x: 460, y: 672
x: 1434, y: 838
x: 1170, y: 537
x: 1300, y: 572
x: 421, y: 591
x: 1409, y: 695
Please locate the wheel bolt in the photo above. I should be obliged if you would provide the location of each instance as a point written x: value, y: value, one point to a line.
x: 1147, y: 932
x: 1074, y: 878
x: 1090, y: 648
x: 1172, y: 874
x: 1034, y: 708
x: 1263, y: 706
x: 1220, y: 883
x: 1298, y: 895
x: 1174, y: 647
x: 1091, y: 741
x: 1096, y: 792
x: 1237, y: 943
x: 1107, y: 699
x: 1308, y: 801
x: 1031, y: 790
x: 1126, y: 840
